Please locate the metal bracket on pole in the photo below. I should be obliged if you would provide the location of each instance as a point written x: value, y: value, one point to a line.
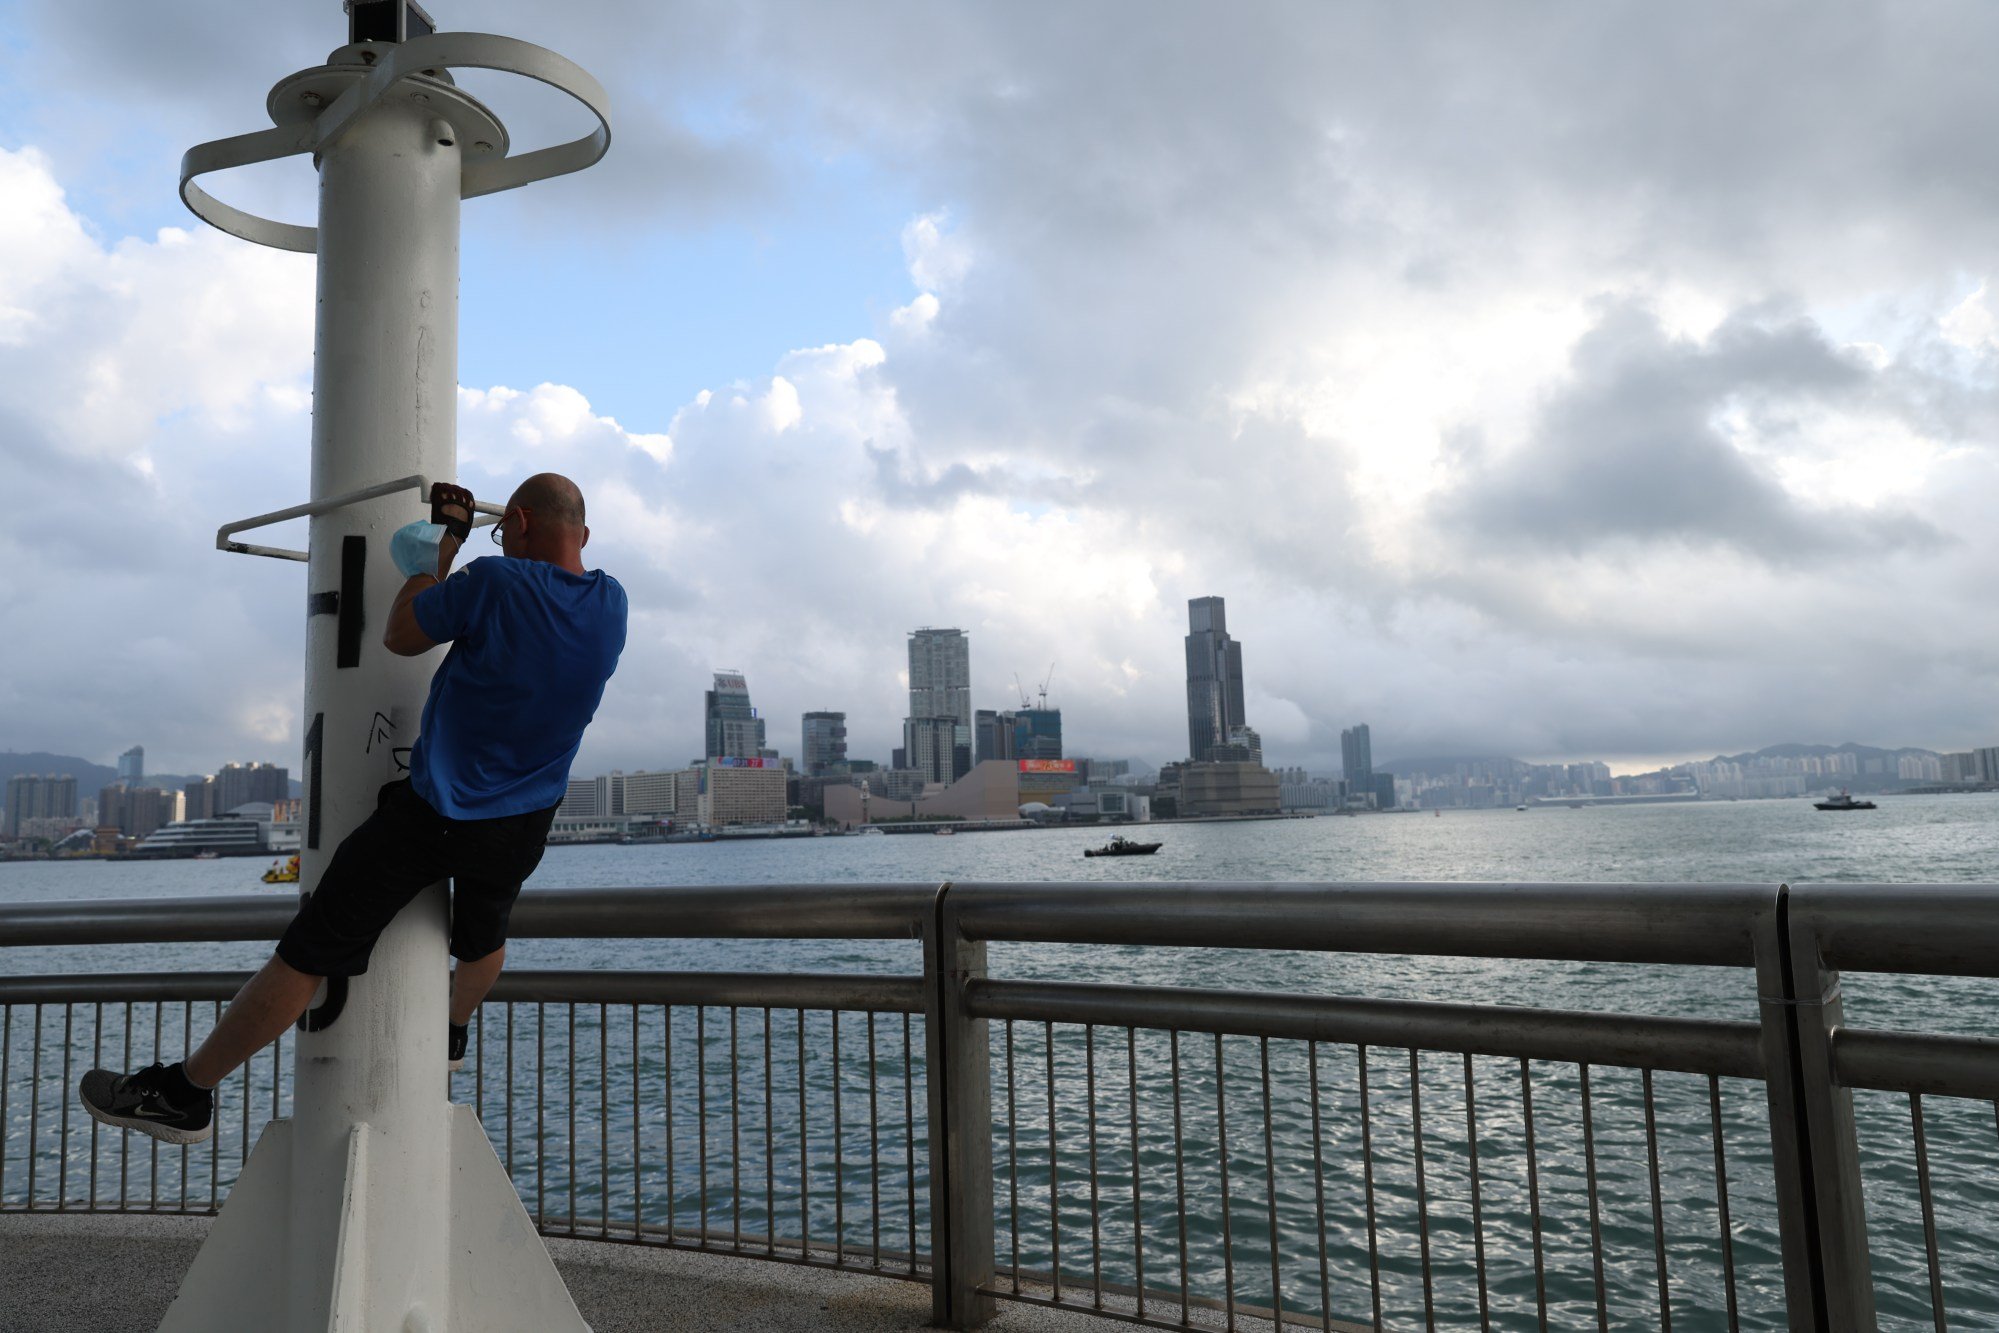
x: 419, y: 484
x: 419, y: 58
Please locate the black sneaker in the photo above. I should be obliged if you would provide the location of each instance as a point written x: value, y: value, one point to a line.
x: 459, y: 1036
x: 146, y: 1101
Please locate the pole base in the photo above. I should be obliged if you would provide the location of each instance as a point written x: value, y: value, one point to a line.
x: 501, y: 1277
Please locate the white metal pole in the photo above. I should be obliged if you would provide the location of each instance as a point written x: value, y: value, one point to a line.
x: 384, y: 405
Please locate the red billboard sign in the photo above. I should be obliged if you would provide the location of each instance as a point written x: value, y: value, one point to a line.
x: 1048, y: 766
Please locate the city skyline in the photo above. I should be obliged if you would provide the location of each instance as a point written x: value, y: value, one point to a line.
x: 1523, y: 421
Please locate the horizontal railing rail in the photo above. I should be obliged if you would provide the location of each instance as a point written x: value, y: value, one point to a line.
x: 1168, y: 1154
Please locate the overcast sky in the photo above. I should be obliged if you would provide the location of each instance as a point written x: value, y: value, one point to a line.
x: 1586, y: 381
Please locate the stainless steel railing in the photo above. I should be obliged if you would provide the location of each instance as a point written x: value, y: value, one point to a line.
x: 1172, y: 1155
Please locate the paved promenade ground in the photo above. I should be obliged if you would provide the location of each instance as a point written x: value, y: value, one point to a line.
x: 99, y: 1273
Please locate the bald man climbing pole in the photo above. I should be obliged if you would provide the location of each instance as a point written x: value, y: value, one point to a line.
x: 534, y: 637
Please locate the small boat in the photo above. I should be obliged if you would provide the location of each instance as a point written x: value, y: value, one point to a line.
x: 210, y: 855
x: 282, y: 872
x: 945, y: 832
x: 1843, y: 801
x: 1123, y: 846
x: 1521, y: 808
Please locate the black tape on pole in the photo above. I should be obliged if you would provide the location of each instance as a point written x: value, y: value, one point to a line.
x: 353, y: 570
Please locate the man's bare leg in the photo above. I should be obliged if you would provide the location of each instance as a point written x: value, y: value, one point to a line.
x: 269, y: 1003
x: 470, y: 982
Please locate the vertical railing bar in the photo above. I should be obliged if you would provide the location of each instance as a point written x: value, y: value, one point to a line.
x: 6, y: 1077
x: 874, y: 1147
x: 701, y: 1119
x: 1534, y: 1196
x: 604, y: 1120
x: 736, y: 1126
x: 540, y: 1114
x: 1319, y: 1187
x: 638, y: 1143
x: 1367, y: 1182
x: 214, y: 1146
x: 572, y: 1163
x: 909, y: 1135
x: 1054, y: 1173
x: 1180, y: 1182
x: 839, y: 1152
x: 770, y: 1142
x: 804, y: 1159
x: 248, y: 1079
x: 1222, y: 1152
x: 1270, y: 1179
x: 1721, y: 1199
x: 62, y: 1138
x: 1658, y: 1205
x: 479, y: 1063
x: 510, y: 1091
x: 666, y: 1051
x: 1090, y: 1119
x: 1013, y: 1160
x: 1477, y: 1200
x: 35, y: 1111
x: 1937, y: 1311
x: 153, y: 1145
x: 125, y: 1140
x: 186, y: 1049
x: 1422, y: 1186
x: 1595, y: 1205
x: 1137, y: 1204
x: 96, y: 1062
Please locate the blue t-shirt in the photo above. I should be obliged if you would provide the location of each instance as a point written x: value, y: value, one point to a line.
x: 531, y: 648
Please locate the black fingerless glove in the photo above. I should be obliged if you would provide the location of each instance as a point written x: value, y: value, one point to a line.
x: 443, y: 494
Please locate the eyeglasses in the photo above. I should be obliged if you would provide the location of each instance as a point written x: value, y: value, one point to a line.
x: 499, y: 528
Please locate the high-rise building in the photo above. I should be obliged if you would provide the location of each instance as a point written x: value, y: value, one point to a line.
x: 137, y: 812
x: 992, y: 735
x: 734, y: 729
x: 1037, y: 733
x: 239, y: 784
x: 940, y: 685
x: 1214, y: 678
x: 198, y: 798
x: 1357, y: 758
x: 38, y: 797
x: 824, y: 742
x: 930, y: 746
x: 132, y: 766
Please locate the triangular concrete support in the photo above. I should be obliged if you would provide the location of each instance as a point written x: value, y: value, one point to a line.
x: 495, y: 1274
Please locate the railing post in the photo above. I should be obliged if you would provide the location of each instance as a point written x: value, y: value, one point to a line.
x: 961, y: 1125
x: 1821, y: 1213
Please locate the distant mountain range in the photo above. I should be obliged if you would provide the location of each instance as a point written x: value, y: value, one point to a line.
x: 1791, y: 750
x: 90, y: 778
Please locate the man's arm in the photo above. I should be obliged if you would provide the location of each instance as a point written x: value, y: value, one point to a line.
x: 403, y: 636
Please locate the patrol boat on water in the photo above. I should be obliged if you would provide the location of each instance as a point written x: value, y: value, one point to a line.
x: 1843, y: 801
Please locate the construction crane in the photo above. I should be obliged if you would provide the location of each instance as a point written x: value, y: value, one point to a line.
x: 1020, y: 690
x: 1044, y: 687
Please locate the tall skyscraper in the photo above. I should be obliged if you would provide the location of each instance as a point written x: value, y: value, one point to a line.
x: 940, y: 685
x: 1357, y: 758
x: 1037, y: 733
x: 734, y: 729
x: 992, y: 735
x: 240, y: 784
x: 824, y: 742
x: 33, y: 798
x: 132, y: 766
x: 931, y: 748
x: 1214, y: 678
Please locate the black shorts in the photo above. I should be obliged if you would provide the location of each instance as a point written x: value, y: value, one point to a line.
x: 397, y: 851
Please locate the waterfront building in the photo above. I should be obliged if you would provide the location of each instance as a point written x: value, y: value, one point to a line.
x: 1214, y: 677
x: 245, y: 831
x: 733, y: 727
x: 930, y: 746
x: 593, y: 798
x: 940, y: 685
x: 992, y: 735
x: 38, y: 802
x: 132, y: 766
x: 650, y: 794
x: 1037, y: 733
x: 239, y: 784
x: 989, y: 792
x: 1227, y: 789
x: 824, y: 742
x: 137, y: 811
x: 1044, y: 780
x: 1357, y: 758
x: 740, y: 791
x: 198, y: 799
